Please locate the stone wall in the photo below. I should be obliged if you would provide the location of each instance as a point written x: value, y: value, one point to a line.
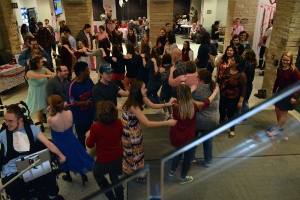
x: 160, y: 14
x: 285, y: 37
x: 9, y: 27
x: 77, y: 15
x: 244, y: 10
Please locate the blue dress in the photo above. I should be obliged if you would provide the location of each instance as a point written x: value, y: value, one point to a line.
x: 78, y: 160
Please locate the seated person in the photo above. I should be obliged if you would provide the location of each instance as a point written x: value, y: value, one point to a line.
x: 194, y: 30
x: 17, y: 131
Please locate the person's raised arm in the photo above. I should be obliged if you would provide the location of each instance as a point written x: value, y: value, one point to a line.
x: 144, y: 120
x: 158, y: 106
x: 32, y: 75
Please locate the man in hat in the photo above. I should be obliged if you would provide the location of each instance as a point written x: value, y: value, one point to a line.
x: 105, y: 89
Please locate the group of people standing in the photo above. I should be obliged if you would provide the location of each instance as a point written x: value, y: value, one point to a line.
x: 192, y: 100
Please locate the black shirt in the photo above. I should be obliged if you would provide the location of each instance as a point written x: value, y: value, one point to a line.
x: 102, y: 92
x: 213, y: 35
x: 119, y: 66
x: 132, y: 67
x: 152, y: 73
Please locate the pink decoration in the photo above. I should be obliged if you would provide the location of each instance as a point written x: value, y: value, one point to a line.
x: 111, y: 27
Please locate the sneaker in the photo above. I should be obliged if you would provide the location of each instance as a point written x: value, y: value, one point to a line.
x: 194, y: 161
x: 187, y: 179
x: 243, y: 122
x: 207, y: 164
x: 171, y: 173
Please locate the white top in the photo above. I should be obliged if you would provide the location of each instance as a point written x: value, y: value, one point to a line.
x: 268, y: 34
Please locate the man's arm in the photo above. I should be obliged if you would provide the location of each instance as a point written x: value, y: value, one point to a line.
x: 49, y: 89
x: 123, y: 93
x: 23, y: 58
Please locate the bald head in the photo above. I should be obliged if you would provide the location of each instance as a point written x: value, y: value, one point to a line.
x: 176, y: 54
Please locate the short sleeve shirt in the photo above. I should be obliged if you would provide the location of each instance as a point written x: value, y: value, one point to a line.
x: 81, y: 91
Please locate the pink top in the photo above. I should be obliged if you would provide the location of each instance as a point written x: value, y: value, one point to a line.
x: 190, y: 79
x: 237, y: 30
x: 103, y: 35
x: 89, y: 40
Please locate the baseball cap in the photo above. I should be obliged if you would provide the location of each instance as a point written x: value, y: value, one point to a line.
x: 39, y: 23
x: 105, y: 68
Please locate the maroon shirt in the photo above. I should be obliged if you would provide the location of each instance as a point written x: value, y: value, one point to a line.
x: 286, y: 78
x: 184, y: 130
x: 107, y: 139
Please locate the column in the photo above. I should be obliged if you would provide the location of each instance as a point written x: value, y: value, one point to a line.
x: 244, y: 10
x: 9, y: 27
x: 78, y: 14
x: 285, y: 37
x: 160, y: 14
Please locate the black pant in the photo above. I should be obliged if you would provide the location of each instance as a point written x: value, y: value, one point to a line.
x: 186, y: 162
x: 228, y: 107
x: 17, y: 189
x: 81, y: 131
x: 103, y: 183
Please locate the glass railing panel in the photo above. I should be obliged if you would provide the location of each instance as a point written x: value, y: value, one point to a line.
x: 132, y: 188
x: 251, y: 165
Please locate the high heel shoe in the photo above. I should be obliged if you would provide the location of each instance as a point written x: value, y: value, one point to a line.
x: 84, y: 179
x: 67, y: 178
x: 42, y: 129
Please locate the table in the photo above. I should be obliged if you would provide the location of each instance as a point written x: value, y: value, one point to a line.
x: 187, y: 26
x: 11, y: 76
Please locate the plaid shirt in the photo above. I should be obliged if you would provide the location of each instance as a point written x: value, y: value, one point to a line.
x: 44, y: 38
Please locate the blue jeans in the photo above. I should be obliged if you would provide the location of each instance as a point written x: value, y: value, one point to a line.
x: 186, y: 162
x: 207, y: 146
x: 152, y: 89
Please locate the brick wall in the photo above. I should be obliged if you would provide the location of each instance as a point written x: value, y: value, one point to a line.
x: 78, y: 14
x: 160, y: 14
x: 9, y: 27
x: 241, y: 9
x: 285, y: 37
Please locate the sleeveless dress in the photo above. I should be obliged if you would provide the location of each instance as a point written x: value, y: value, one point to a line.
x: 36, y: 98
x: 78, y: 160
x: 133, y: 145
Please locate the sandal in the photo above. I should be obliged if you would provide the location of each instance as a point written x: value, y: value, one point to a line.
x: 278, y: 132
x: 270, y: 129
x: 231, y: 135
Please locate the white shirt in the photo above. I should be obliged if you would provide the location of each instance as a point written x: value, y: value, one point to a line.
x: 268, y: 34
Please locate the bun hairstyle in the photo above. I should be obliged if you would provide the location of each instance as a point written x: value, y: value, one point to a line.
x: 206, y: 76
x: 56, y: 104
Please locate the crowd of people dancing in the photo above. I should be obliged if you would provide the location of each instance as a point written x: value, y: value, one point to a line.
x: 83, y: 114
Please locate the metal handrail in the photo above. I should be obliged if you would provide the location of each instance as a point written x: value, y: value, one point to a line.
x: 130, y: 177
x: 280, y: 95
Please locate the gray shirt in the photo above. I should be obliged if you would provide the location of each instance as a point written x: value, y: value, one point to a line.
x: 72, y: 41
x: 56, y: 86
x: 99, y: 58
x: 209, y: 117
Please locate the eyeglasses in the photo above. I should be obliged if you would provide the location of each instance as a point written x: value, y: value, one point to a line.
x: 9, y: 121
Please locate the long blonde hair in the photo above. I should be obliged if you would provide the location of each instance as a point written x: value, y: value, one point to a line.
x: 186, y: 103
x: 288, y: 54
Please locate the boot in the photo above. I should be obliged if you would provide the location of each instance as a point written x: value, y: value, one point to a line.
x: 259, y: 94
x: 264, y: 94
x: 262, y: 73
x: 260, y: 63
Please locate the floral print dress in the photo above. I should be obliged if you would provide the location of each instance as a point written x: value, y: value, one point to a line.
x: 133, y: 145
